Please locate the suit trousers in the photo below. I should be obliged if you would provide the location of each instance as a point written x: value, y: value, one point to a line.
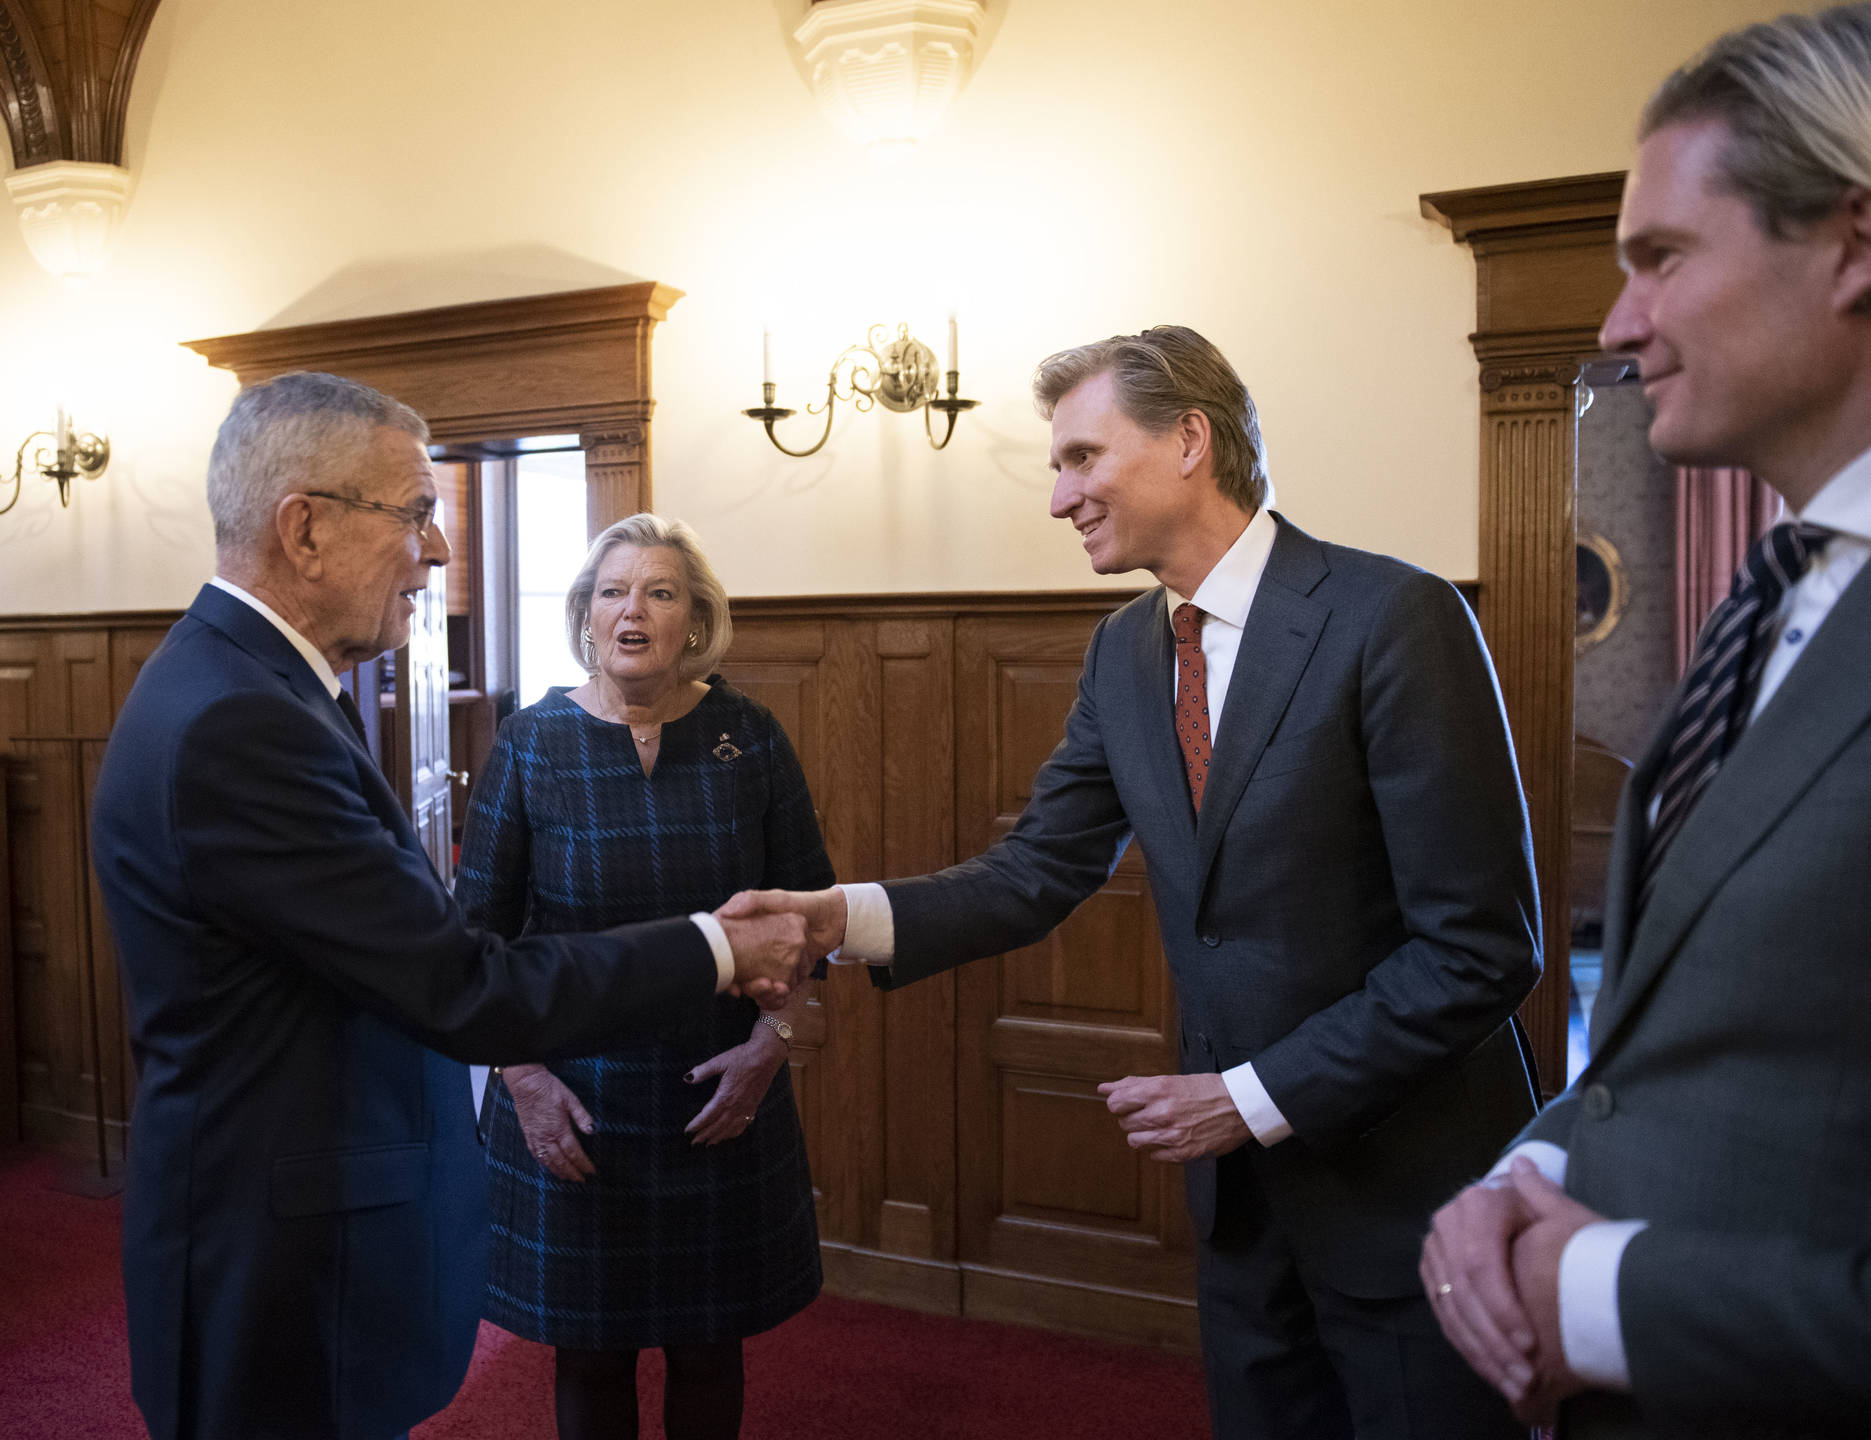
x: 1288, y: 1358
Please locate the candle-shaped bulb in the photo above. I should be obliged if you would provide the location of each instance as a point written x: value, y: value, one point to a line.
x: 954, y: 362
x: 766, y: 355
x: 63, y: 437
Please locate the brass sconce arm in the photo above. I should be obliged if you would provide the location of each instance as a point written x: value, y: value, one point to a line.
x: 900, y: 374
x: 70, y: 455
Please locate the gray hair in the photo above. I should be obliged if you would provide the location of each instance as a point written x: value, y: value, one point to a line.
x: 1160, y: 376
x: 708, y: 597
x: 296, y: 431
x: 1796, y: 97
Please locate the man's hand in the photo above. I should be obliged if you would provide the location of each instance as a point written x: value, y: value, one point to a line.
x: 822, y: 910
x: 769, y: 954
x: 1557, y: 1217
x: 1467, y: 1271
x: 1176, y: 1117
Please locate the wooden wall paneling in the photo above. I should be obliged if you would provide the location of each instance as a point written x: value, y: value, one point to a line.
x: 916, y: 1215
x: 60, y: 1073
x: 1545, y: 275
x: 1060, y: 1221
x: 9, y: 1009
x: 61, y: 680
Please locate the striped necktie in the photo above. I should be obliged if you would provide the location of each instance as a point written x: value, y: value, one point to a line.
x: 1724, y: 673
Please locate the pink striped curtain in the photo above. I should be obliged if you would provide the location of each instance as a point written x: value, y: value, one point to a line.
x: 1719, y: 514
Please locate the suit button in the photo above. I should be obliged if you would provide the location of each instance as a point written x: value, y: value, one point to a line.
x: 1598, y: 1102
x: 1210, y: 939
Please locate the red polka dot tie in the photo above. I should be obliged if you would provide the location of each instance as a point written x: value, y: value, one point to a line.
x: 1191, y: 699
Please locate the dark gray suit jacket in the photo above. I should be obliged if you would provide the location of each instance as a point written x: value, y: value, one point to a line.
x: 1728, y: 1098
x: 1354, y: 913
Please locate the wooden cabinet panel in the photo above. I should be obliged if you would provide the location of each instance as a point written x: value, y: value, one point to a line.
x: 1051, y: 1197
x: 70, y: 1075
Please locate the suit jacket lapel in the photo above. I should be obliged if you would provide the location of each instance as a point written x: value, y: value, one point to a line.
x: 255, y: 634
x: 1824, y: 701
x: 1154, y: 659
x: 1282, y: 630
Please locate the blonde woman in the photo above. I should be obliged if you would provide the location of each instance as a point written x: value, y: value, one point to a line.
x: 656, y: 1195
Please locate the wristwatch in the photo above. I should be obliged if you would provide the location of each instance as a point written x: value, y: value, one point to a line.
x: 779, y: 1027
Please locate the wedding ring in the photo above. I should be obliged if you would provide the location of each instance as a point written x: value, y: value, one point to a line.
x: 1444, y: 1290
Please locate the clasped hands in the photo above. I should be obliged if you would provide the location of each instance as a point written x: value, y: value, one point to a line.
x: 1491, y: 1269
x: 1167, y: 1117
x: 778, y: 936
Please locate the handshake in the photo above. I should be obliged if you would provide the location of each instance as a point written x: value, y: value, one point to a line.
x: 778, y: 936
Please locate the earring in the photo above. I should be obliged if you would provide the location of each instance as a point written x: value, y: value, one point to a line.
x: 691, y: 639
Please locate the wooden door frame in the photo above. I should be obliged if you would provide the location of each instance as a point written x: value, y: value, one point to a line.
x: 577, y: 361
x: 1546, y: 274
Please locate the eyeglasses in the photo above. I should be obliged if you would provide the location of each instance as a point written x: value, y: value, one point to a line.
x: 418, y: 517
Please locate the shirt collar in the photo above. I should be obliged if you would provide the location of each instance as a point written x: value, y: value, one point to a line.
x: 1227, y: 592
x: 1844, y: 502
x: 320, y: 666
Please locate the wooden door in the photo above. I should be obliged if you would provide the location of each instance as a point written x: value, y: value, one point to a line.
x: 1060, y: 1220
x: 420, y: 751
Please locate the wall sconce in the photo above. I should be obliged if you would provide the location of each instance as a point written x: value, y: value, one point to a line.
x: 900, y: 374
x: 71, y: 455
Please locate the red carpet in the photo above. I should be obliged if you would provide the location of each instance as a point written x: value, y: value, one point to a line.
x: 841, y: 1371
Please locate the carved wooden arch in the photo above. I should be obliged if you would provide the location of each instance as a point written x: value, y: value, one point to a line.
x: 1546, y: 274
x: 573, y: 362
x: 65, y: 74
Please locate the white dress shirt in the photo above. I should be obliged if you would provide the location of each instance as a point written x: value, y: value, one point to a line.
x: 1224, y: 596
x: 1588, y: 1268
x: 321, y: 667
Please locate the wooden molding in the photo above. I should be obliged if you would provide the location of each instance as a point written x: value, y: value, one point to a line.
x: 65, y: 75
x: 1545, y: 275
x: 1538, y: 206
x: 574, y: 362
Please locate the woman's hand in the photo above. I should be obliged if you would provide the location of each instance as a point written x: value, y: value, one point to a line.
x: 746, y: 1071
x: 550, y: 1118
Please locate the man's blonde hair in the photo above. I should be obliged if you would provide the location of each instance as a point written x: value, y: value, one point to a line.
x: 1795, y: 94
x: 1160, y: 376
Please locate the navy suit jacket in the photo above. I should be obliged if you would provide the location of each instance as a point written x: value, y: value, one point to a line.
x: 305, y: 1221
x: 1354, y: 911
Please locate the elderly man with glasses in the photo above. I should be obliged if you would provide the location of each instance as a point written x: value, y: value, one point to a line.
x: 305, y: 1226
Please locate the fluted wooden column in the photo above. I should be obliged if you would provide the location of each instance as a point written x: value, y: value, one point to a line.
x: 617, y: 471
x: 1545, y: 275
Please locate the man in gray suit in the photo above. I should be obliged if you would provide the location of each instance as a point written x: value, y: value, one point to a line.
x: 1311, y: 749
x: 1681, y: 1244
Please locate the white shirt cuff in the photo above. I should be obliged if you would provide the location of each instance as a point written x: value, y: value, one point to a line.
x: 718, y: 942
x: 870, y: 928
x: 1547, y: 1158
x: 1588, y: 1303
x: 1256, y: 1105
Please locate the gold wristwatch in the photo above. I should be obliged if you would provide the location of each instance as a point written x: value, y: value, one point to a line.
x: 779, y: 1027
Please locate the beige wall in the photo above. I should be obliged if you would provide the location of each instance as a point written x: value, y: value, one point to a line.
x: 1248, y: 168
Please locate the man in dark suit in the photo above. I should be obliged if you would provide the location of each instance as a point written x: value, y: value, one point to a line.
x: 1311, y: 749
x: 305, y: 1223
x: 1681, y: 1243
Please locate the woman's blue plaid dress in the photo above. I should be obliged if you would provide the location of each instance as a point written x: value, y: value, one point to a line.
x: 669, y: 1243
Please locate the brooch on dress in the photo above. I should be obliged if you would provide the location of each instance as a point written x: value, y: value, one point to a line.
x: 726, y: 750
